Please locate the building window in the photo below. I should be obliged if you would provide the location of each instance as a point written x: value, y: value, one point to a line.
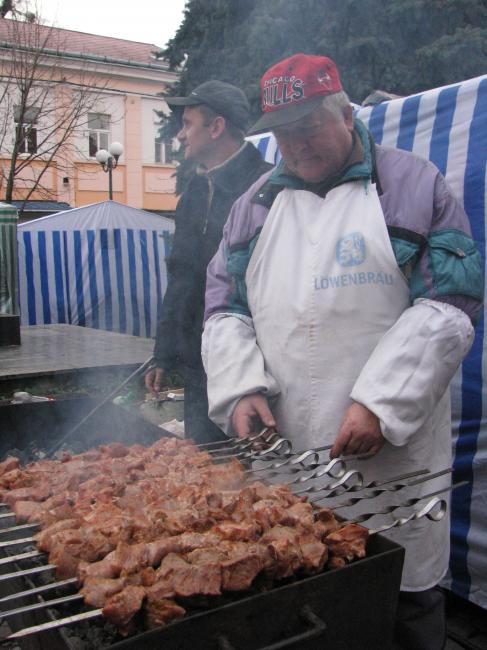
x: 28, y: 129
x: 99, y: 132
x: 162, y: 150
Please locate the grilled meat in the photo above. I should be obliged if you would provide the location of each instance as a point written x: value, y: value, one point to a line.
x: 147, y: 528
x: 346, y: 544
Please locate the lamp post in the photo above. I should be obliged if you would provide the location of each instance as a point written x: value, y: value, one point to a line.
x: 109, y: 160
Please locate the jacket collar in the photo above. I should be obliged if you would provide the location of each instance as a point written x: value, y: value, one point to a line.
x: 231, y: 175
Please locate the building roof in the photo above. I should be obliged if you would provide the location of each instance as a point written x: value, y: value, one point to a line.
x: 41, y: 206
x: 82, y: 45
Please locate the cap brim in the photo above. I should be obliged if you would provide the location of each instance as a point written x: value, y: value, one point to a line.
x: 182, y: 101
x: 285, y: 115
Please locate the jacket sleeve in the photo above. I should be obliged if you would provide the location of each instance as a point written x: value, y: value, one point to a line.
x: 231, y: 356
x: 234, y: 365
x: 172, y: 323
x: 414, y: 362
x: 412, y: 366
x: 448, y: 266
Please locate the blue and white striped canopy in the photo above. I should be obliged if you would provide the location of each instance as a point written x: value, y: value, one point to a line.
x: 101, y: 266
x: 449, y: 127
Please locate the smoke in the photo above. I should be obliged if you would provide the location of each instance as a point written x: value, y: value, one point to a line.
x: 29, y: 430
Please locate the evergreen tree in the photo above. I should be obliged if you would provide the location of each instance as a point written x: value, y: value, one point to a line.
x: 403, y: 46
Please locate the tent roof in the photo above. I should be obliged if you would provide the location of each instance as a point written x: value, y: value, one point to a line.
x: 107, y: 214
x: 6, y: 208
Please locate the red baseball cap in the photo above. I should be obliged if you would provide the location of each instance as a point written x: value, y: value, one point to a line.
x: 294, y: 87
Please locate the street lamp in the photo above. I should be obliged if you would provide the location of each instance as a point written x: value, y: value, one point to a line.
x: 109, y: 160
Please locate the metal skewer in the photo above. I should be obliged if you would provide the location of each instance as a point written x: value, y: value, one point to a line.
x: 15, y: 542
x: 335, y: 468
x: 343, y: 484
x: 298, y: 459
x: 21, y: 556
x: 52, y: 625
x: 237, y: 442
x: 41, y: 605
x: 337, y: 491
x: 405, y: 504
x: 14, y: 529
x: 28, y: 572
x: 281, y: 445
x: 430, y: 510
x: 392, y: 488
x: 39, y: 590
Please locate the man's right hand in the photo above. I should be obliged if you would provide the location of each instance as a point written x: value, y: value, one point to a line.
x: 154, y: 379
x: 251, y: 414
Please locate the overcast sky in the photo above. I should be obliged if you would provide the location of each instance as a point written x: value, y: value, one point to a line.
x: 147, y: 21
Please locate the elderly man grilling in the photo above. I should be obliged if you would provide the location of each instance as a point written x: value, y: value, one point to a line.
x: 339, y: 306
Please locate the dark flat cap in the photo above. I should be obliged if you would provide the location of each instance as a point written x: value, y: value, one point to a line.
x: 224, y: 98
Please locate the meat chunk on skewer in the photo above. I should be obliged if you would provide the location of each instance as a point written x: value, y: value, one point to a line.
x: 161, y: 611
x: 121, y: 608
x: 314, y: 553
x: 346, y: 544
x: 10, y: 463
x: 96, y: 591
x: 184, y: 579
x: 46, y: 538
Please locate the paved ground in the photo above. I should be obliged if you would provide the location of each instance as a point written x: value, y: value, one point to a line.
x: 61, y: 348
x: 467, y: 625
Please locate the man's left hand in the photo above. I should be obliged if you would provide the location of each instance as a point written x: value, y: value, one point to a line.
x: 359, y: 433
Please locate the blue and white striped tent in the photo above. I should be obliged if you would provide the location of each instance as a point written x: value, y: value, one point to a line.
x: 101, y: 266
x: 449, y: 127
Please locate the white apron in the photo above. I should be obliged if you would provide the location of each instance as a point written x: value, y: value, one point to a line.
x: 323, y: 287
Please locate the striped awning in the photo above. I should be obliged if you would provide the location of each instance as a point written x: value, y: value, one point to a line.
x: 9, y: 286
x: 101, y: 266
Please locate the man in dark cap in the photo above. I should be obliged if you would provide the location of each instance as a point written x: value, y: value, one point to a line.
x: 214, y: 120
x: 339, y: 306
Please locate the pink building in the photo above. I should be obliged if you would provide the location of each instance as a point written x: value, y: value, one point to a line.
x: 121, y: 81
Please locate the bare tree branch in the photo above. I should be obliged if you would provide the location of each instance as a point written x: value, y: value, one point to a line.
x: 41, y: 96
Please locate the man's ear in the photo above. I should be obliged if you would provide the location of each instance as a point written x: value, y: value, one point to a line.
x: 217, y: 127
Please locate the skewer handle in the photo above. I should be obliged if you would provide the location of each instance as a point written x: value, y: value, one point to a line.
x: 434, y: 510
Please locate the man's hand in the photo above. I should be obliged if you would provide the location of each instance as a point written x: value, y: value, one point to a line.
x: 251, y: 414
x: 359, y: 433
x: 154, y: 379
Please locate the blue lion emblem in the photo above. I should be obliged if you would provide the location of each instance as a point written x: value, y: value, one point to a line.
x: 350, y: 250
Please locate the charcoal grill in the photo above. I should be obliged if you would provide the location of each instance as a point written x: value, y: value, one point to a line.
x: 347, y: 608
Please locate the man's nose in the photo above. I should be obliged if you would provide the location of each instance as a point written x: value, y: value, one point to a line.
x: 181, y: 135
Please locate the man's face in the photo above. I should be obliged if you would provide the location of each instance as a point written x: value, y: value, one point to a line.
x: 316, y: 146
x: 195, y: 135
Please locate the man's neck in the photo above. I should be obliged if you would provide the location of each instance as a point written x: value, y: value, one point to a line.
x: 221, y: 154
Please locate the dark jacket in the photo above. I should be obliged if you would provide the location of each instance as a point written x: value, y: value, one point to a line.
x: 201, y: 214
